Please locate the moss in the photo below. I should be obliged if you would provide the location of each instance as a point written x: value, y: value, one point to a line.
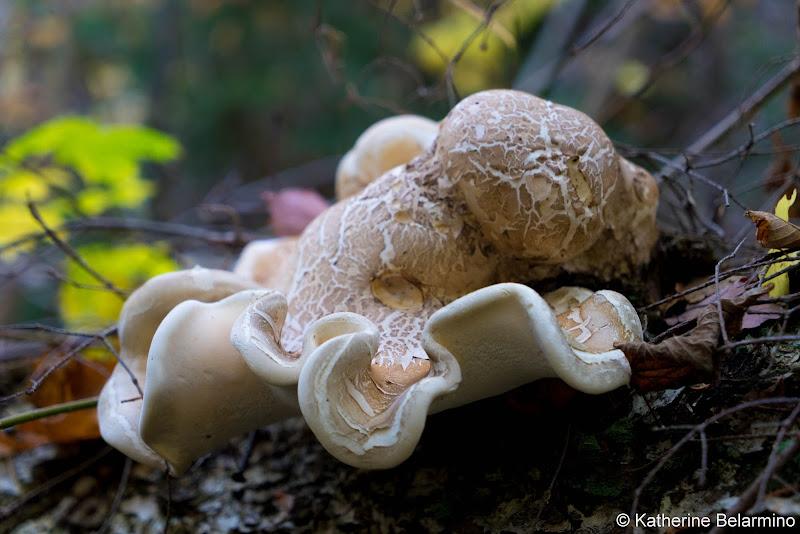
x: 602, y: 486
x: 588, y: 443
x: 620, y: 432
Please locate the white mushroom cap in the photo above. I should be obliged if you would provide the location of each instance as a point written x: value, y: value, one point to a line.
x: 119, y: 406
x: 199, y: 392
x: 384, y: 145
x: 483, y: 344
x: 269, y: 262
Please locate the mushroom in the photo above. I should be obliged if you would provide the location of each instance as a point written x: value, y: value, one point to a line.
x: 515, y: 189
x: 120, y: 404
x: 268, y: 262
x: 483, y: 344
x: 386, y: 144
x: 199, y: 392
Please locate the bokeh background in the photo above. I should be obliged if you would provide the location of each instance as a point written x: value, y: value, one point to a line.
x: 143, y: 134
x: 252, y: 96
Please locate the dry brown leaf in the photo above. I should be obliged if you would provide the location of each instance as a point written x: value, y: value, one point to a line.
x: 694, y: 303
x: 688, y: 358
x: 772, y: 231
x: 73, y: 381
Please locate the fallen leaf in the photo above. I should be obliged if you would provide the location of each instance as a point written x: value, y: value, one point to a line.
x: 729, y: 288
x: 775, y: 232
x: 77, y: 379
x: 689, y: 358
x: 291, y: 209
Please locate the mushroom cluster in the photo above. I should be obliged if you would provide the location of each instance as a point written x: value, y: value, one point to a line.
x: 403, y: 299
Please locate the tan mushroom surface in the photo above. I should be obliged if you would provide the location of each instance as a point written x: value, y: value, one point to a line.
x: 515, y: 189
x: 269, y: 262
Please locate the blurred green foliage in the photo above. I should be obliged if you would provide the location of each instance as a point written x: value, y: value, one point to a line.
x: 72, y: 167
x: 126, y: 266
x: 485, y: 60
x: 262, y: 87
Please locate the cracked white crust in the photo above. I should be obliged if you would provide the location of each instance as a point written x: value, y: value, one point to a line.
x: 446, y: 224
x: 514, y: 189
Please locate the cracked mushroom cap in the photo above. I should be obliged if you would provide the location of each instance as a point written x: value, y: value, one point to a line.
x: 120, y: 404
x: 199, y: 391
x: 384, y: 145
x: 483, y: 344
x: 539, y: 178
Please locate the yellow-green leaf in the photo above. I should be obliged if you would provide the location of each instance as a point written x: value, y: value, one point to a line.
x: 781, y: 283
x: 126, y: 266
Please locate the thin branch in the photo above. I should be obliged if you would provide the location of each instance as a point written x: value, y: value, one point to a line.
x: 723, y: 330
x: 69, y: 251
x: 696, y: 430
x: 549, y: 492
x: 601, y: 30
x: 56, y: 409
x: 9, y: 509
x: 229, y: 238
x: 748, y: 497
x: 90, y: 338
x: 123, y: 485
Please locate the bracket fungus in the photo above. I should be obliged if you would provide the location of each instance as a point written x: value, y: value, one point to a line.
x: 405, y: 299
x: 514, y: 189
x: 174, y: 337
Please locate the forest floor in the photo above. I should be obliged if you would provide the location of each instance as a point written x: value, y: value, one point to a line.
x: 541, y: 458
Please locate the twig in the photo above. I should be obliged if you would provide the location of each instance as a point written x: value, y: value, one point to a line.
x: 452, y: 93
x: 549, y: 492
x: 744, y: 110
x: 598, y: 33
x: 9, y: 509
x: 748, y: 497
x: 123, y: 485
x: 785, y: 424
x: 91, y: 338
x: 238, y: 476
x: 56, y: 409
x: 169, y: 497
x: 696, y: 430
x: 723, y: 330
x: 229, y: 238
x: 774, y: 257
x: 773, y: 85
x: 91, y: 287
x: 69, y: 251
x: 758, y: 341
x: 703, y: 458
